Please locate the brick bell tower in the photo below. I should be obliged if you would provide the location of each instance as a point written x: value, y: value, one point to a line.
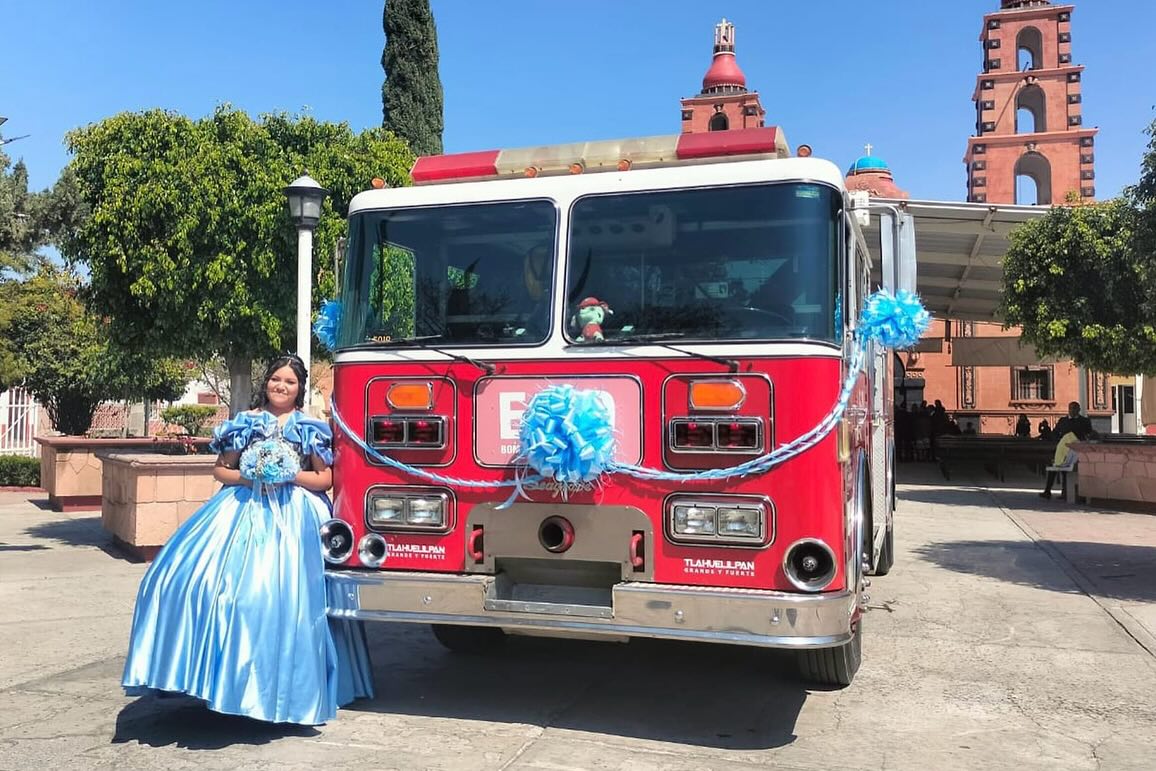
x: 1029, y: 124
x: 724, y: 102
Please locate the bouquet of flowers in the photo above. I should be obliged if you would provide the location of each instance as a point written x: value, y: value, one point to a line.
x: 270, y: 461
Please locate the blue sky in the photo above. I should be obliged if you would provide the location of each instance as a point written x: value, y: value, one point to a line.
x: 896, y: 73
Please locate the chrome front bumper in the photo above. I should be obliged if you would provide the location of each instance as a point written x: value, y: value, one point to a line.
x: 737, y: 616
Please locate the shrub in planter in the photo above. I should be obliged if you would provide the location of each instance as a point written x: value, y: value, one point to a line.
x: 18, y: 471
x: 190, y: 417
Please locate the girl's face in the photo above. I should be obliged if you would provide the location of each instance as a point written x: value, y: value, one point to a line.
x: 282, y: 388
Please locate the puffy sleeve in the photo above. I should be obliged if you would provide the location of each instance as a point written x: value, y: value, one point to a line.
x: 236, y: 434
x: 314, y: 437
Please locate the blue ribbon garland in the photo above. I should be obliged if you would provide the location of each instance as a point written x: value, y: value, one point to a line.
x: 567, y: 433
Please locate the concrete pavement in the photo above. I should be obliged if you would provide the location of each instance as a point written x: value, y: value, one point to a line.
x: 1012, y: 633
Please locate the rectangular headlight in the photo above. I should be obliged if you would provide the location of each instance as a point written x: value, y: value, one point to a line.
x: 694, y: 520
x: 740, y: 521
x: 386, y: 510
x: 427, y: 512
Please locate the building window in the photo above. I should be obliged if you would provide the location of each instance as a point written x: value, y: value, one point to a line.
x: 718, y: 122
x: 751, y: 109
x: 993, y: 43
x: 1087, y: 174
x: 1087, y: 141
x: 979, y: 198
x: 979, y: 165
x: 687, y: 114
x: 993, y: 23
x: 1075, y: 98
x: 1065, y: 16
x: 1073, y: 77
x: 987, y: 104
x: 1088, y: 192
x: 1065, y: 58
x: 1074, y: 120
x: 986, y: 85
x: 1087, y: 158
x: 1065, y: 37
x: 993, y: 64
x: 979, y: 149
x: 979, y: 182
x: 987, y: 126
x: 1032, y: 384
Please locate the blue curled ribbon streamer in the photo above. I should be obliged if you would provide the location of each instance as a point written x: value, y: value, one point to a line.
x: 328, y: 323
x: 567, y: 434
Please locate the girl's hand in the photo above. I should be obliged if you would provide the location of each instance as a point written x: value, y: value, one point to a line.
x: 318, y: 478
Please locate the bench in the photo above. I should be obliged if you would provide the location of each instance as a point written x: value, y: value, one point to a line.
x: 994, y: 453
x: 1064, y: 469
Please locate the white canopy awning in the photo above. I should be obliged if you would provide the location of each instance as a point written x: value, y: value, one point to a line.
x: 960, y: 249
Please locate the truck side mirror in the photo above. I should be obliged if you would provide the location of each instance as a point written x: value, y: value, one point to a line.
x: 897, y: 250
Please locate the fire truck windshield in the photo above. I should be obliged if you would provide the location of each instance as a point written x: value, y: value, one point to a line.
x: 478, y: 274
x: 729, y: 263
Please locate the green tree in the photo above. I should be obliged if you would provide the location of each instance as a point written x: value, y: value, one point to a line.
x: 189, y: 244
x: 1081, y: 280
x: 20, y: 232
x: 411, y: 96
x: 52, y: 346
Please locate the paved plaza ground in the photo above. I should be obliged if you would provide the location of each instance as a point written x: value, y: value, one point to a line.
x: 1013, y: 633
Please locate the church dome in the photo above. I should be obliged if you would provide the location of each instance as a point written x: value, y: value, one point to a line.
x: 724, y: 75
x: 871, y: 173
x: 868, y: 163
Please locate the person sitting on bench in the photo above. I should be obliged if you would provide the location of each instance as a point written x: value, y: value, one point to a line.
x: 1080, y: 428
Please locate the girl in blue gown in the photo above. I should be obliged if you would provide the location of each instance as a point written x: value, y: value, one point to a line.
x: 233, y: 611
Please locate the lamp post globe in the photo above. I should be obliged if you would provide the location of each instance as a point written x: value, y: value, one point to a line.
x: 305, y: 197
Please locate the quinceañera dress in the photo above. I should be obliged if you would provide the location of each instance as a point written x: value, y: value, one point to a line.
x: 232, y: 611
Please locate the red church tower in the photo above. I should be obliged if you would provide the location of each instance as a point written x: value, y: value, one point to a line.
x: 724, y: 102
x: 1029, y: 123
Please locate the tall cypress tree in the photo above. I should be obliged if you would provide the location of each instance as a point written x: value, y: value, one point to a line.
x: 411, y: 96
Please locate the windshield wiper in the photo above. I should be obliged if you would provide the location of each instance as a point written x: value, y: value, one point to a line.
x: 658, y: 340
x: 419, y: 341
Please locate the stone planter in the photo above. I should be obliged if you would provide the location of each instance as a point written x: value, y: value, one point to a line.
x: 147, y: 496
x: 70, y: 471
x: 1117, y: 471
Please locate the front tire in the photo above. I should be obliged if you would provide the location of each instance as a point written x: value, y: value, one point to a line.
x: 472, y: 640
x: 833, y: 666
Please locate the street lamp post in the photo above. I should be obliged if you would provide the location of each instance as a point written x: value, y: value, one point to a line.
x: 305, y: 197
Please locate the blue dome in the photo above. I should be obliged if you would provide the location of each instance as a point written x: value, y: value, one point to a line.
x: 868, y: 163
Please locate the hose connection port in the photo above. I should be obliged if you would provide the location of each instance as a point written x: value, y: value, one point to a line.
x: 556, y: 534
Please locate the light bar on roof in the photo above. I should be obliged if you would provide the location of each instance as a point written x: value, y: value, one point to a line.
x: 608, y: 155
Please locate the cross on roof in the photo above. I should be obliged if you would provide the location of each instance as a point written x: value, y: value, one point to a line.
x: 868, y: 147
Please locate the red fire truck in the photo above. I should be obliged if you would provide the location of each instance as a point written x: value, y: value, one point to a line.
x: 706, y: 288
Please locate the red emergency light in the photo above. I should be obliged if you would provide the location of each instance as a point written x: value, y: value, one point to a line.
x: 609, y: 155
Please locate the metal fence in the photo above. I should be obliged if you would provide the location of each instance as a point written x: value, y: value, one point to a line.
x: 19, y: 419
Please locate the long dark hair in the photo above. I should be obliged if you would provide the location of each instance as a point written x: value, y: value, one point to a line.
x: 261, y: 398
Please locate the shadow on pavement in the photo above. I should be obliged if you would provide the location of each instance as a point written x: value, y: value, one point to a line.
x: 72, y: 532
x: 186, y: 723
x: 705, y: 695
x: 1117, y: 571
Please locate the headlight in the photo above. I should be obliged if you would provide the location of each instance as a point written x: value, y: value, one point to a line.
x: 414, y: 509
x: 739, y: 521
x: 427, y: 512
x: 694, y: 520
x: 720, y: 519
x: 387, y: 510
